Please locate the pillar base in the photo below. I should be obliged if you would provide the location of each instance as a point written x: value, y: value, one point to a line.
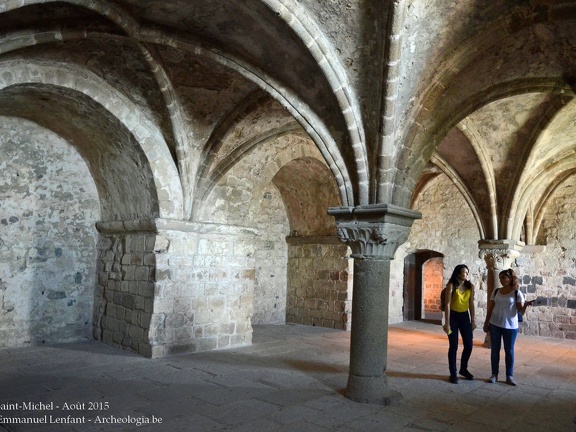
x: 371, y: 390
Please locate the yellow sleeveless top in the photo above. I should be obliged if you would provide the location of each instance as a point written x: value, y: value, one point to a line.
x: 459, y: 302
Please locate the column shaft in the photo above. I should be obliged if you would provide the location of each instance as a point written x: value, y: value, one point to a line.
x: 370, y: 318
x: 367, y: 381
x: 373, y: 233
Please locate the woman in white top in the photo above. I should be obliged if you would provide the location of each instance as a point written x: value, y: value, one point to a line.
x: 502, y: 322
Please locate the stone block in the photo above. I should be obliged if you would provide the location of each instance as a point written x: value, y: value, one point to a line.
x: 228, y: 328
x: 249, y: 274
x: 128, y: 273
x: 223, y: 341
x: 137, y: 259
x: 155, y: 351
x: 128, y: 301
x: 103, y: 278
x: 241, y: 339
x: 241, y: 327
x: 135, y: 332
x: 115, y: 276
x: 133, y: 287
x: 142, y: 273
x: 247, y: 300
x: 183, y: 334
x: 139, y: 303
x: 137, y: 243
x: 310, y: 303
x: 165, y: 274
x: 176, y: 320
x: 148, y: 305
x: 107, y: 337
x: 561, y: 319
x: 161, y: 244
x: 149, y: 259
x: 125, y: 286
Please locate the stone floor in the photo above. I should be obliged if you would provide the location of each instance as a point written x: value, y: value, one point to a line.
x: 291, y: 379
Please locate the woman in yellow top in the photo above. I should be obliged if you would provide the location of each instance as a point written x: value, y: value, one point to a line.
x: 459, y: 317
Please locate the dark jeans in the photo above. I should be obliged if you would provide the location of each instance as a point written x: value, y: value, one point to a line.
x: 497, y: 335
x: 459, y: 322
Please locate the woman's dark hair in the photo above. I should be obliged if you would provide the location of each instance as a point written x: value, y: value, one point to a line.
x: 512, y: 275
x: 455, y: 280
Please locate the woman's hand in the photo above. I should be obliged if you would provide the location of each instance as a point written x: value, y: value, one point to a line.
x: 446, y: 328
x: 486, y: 327
x: 473, y: 325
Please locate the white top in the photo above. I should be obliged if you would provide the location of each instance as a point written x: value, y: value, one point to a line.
x: 505, y: 312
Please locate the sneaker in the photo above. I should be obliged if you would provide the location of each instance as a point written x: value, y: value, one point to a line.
x: 493, y: 379
x: 466, y: 374
x: 453, y: 379
x: 510, y: 381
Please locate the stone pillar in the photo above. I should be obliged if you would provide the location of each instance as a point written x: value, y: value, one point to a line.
x: 373, y: 233
x: 170, y: 287
x: 499, y: 255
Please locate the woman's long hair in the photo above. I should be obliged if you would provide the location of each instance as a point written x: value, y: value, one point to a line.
x: 515, y: 284
x: 455, y: 280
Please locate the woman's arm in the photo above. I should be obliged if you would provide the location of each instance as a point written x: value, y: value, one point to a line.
x: 471, y: 308
x: 522, y: 306
x: 447, y: 301
x: 491, y: 304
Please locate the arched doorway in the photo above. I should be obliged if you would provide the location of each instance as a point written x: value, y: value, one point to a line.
x: 422, y: 285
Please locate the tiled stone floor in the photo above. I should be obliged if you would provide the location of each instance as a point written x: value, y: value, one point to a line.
x: 291, y: 379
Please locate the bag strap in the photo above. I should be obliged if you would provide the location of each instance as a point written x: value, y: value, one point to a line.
x: 515, y: 295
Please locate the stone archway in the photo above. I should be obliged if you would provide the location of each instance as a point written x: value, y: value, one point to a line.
x: 321, y: 297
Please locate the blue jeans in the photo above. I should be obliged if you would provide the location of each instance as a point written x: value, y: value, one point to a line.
x: 459, y: 322
x: 497, y: 335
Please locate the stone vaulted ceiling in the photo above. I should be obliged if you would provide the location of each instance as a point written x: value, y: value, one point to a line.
x: 392, y: 94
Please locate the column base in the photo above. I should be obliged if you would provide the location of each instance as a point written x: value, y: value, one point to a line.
x: 371, y: 390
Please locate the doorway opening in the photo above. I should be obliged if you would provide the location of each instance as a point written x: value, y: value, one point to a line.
x: 423, y: 282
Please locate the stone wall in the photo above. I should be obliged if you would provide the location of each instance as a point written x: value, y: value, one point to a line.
x: 548, y: 270
x: 447, y: 227
x: 319, y: 282
x: 48, y: 208
x: 433, y: 283
x: 261, y: 192
x: 172, y: 287
x: 551, y: 273
x: 271, y: 259
x: 125, y: 292
x: 205, y: 288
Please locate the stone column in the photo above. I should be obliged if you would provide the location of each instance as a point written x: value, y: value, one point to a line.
x: 499, y: 255
x: 373, y: 233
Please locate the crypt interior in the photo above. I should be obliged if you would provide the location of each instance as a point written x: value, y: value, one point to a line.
x: 175, y: 172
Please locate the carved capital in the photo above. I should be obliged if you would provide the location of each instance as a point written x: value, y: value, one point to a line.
x: 373, y: 232
x: 499, y: 254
